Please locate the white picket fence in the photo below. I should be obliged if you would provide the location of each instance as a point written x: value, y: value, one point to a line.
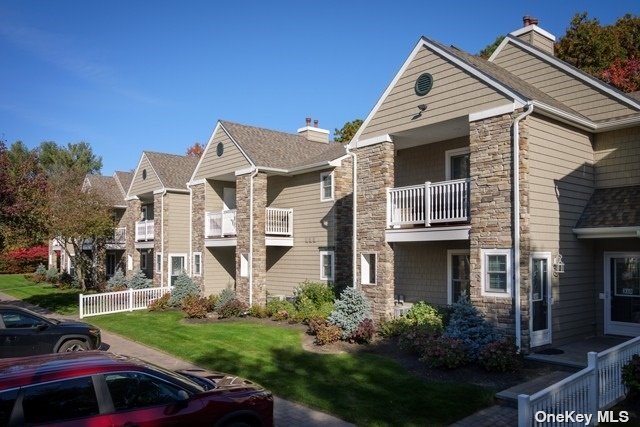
x: 116, y: 302
x: 595, y: 388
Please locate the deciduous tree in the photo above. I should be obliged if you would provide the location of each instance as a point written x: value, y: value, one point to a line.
x: 196, y: 150
x: 347, y: 132
x: 56, y: 159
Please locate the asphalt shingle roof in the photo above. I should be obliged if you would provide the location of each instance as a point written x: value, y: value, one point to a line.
x: 125, y: 179
x: 612, y: 207
x: 107, y: 187
x: 174, y: 171
x: 281, y: 150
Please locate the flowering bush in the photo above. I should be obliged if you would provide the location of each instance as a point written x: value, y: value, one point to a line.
x: 233, y: 308
x: 350, y: 310
x: 445, y: 352
x: 499, y: 356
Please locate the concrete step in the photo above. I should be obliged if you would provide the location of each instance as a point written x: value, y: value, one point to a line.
x: 510, y: 395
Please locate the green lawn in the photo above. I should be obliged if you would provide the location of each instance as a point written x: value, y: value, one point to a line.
x: 63, y: 301
x: 362, y: 388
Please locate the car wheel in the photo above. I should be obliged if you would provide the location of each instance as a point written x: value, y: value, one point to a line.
x: 73, y: 345
x: 238, y: 423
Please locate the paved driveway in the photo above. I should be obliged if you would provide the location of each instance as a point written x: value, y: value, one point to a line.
x: 286, y: 413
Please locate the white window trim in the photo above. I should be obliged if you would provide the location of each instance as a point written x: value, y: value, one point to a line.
x: 129, y: 262
x: 144, y: 256
x: 169, y: 259
x: 244, y: 265
x: 450, y: 254
x: 158, y: 265
x: 197, y: 271
x: 322, y: 175
x: 333, y: 265
x: 483, y: 271
x: 363, y: 261
x: 448, y: 155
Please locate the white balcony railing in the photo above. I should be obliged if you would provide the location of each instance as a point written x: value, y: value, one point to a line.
x: 431, y: 202
x: 279, y: 222
x: 220, y: 224
x: 144, y: 230
x: 119, y: 236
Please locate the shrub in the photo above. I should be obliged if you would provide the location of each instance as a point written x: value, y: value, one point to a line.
x: 423, y: 313
x: 233, y: 308
x: 117, y: 282
x: 499, y: 356
x: 281, y: 315
x: 306, y: 309
x: 161, y: 303
x: 40, y: 274
x: 364, y: 333
x: 468, y: 325
x: 139, y: 281
x: 195, y: 307
x: 316, y: 323
x: 225, y: 296
x: 416, y: 338
x: 631, y: 377
x: 393, y: 328
x: 23, y: 260
x: 276, y: 305
x: 327, y: 333
x: 65, y: 280
x: 445, y: 352
x: 51, y: 275
x: 350, y: 310
x: 258, y: 311
x: 212, y: 300
x: 183, y: 287
x: 317, y: 293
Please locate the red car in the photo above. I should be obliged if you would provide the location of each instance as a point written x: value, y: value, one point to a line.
x: 102, y: 389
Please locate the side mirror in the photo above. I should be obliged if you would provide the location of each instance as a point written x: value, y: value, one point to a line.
x: 42, y: 326
x: 183, y: 396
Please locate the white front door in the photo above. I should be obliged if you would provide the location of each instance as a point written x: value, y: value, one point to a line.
x: 622, y: 293
x: 540, y: 299
x: 176, y: 267
x: 228, y: 198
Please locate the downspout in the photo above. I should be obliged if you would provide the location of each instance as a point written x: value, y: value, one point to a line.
x: 191, y: 232
x: 253, y: 174
x: 354, y: 219
x: 164, y: 192
x: 516, y: 220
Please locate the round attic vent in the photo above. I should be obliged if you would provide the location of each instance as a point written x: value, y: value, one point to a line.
x: 220, y: 149
x: 424, y: 84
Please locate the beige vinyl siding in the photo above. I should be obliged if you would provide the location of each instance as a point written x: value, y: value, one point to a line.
x: 214, y: 194
x: 313, y: 231
x: 148, y: 185
x: 561, y: 180
x: 567, y: 89
x: 455, y: 93
x: 538, y: 40
x: 617, y: 156
x: 219, y: 269
x: 230, y: 161
x: 425, y: 163
x: 176, y: 235
x: 421, y: 270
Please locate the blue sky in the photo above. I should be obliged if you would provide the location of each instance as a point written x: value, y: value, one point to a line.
x: 135, y: 75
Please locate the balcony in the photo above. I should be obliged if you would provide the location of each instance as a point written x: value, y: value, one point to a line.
x: 278, y: 227
x: 429, y: 211
x: 220, y: 228
x: 144, y: 230
x: 119, y: 238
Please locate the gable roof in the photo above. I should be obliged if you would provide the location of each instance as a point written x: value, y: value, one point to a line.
x: 280, y: 150
x: 569, y: 69
x: 107, y: 187
x: 173, y: 170
x: 124, y: 180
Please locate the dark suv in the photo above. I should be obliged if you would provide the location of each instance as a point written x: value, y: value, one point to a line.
x: 25, y: 333
x: 103, y: 389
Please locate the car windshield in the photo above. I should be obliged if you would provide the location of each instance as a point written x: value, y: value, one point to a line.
x: 183, y: 380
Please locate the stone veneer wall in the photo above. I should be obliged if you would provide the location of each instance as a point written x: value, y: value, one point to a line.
x: 375, y: 175
x: 132, y: 214
x: 491, y: 209
x: 159, y: 222
x: 259, y: 262
x: 343, y: 190
x: 525, y: 233
x: 197, y: 228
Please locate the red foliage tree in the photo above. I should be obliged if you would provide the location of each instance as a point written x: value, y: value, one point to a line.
x: 623, y: 74
x: 24, y: 260
x: 196, y: 150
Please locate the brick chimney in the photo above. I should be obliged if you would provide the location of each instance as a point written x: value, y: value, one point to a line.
x: 314, y: 133
x: 534, y: 35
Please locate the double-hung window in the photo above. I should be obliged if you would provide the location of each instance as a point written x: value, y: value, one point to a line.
x: 496, y: 272
x: 326, y: 186
x: 327, y: 265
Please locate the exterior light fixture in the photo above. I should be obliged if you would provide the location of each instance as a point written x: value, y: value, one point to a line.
x: 558, y: 265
